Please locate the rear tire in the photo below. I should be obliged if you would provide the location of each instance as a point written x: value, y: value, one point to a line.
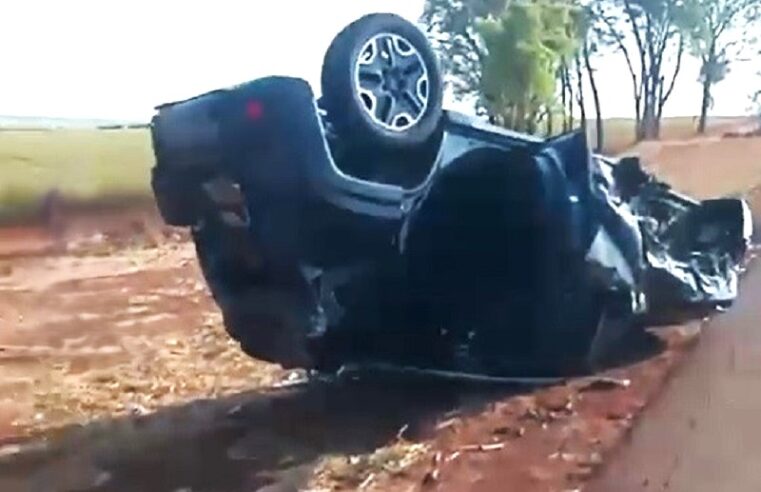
x: 381, y: 84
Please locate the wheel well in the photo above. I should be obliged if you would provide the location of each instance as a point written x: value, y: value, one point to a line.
x: 406, y: 168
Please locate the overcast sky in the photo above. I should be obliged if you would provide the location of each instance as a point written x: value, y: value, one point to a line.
x: 118, y: 59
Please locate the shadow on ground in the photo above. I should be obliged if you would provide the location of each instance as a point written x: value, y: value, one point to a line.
x: 239, y: 443
x: 250, y: 440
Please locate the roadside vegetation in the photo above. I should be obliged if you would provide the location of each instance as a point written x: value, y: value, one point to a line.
x: 619, y: 132
x: 80, y: 164
x: 95, y: 165
x: 529, y: 65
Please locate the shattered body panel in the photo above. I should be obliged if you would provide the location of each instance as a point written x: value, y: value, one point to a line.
x: 485, y: 251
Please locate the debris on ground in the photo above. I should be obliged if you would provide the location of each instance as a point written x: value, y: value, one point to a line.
x: 78, y: 376
x: 483, y: 447
x: 600, y: 383
x: 358, y: 471
x: 207, y: 364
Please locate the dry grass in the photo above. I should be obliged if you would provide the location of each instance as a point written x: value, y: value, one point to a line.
x: 159, y: 372
x: 619, y: 132
x: 706, y: 168
x: 84, y: 164
x: 359, y: 471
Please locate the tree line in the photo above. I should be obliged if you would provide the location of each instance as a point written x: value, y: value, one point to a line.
x: 528, y: 64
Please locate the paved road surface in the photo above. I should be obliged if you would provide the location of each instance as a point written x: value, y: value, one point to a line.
x: 704, y: 433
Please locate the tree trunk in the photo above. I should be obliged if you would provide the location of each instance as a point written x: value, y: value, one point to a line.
x: 571, y: 98
x: 649, y: 129
x: 638, y: 91
x: 599, y: 130
x: 649, y: 125
x: 659, y: 113
x: 520, y: 117
x: 704, y: 106
x: 580, y: 96
x: 664, y: 93
x: 550, y: 123
x: 709, y: 67
x: 531, y: 125
x: 638, y: 110
x: 564, y: 95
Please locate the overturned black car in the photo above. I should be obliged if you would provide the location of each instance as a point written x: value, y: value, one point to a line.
x: 371, y: 226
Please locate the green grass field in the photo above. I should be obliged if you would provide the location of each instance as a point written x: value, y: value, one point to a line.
x: 91, y: 165
x: 82, y: 164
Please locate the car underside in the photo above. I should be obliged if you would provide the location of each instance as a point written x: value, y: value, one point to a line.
x: 345, y: 230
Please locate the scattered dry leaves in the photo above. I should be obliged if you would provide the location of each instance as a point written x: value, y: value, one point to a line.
x: 160, y: 372
x: 359, y: 471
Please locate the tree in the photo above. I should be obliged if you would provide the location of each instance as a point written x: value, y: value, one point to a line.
x: 580, y: 97
x: 566, y: 95
x: 483, y: 61
x: 525, y: 46
x: 452, y: 30
x: 595, y: 42
x: 654, y: 27
x: 587, y: 50
x: 714, y: 29
x: 589, y: 39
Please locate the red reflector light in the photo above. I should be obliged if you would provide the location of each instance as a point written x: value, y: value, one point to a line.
x: 254, y: 110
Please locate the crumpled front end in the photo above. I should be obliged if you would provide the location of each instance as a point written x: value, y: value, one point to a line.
x: 694, y: 249
x: 691, y: 250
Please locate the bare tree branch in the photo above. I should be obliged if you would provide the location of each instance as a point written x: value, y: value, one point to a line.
x: 635, y: 30
x: 677, y: 69
x: 473, y: 45
x: 645, y: 83
x: 599, y: 126
x: 613, y: 31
